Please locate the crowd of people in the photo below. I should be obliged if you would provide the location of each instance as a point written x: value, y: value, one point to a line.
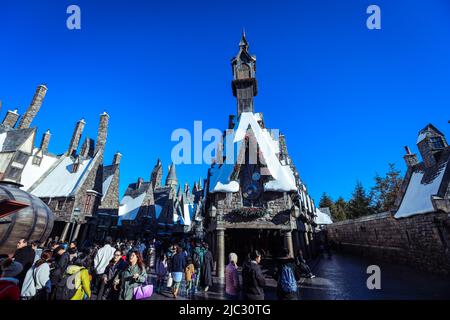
x: 118, y: 270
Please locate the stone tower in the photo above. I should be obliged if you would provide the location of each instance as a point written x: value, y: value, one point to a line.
x: 45, y: 141
x: 11, y: 118
x: 156, y: 176
x: 34, y: 107
x: 76, y: 137
x: 171, y: 180
x: 102, y: 132
x: 431, y: 142
x: 244, y: 82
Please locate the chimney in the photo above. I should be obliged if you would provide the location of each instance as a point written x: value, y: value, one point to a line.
x: 87, y: 149
x: 117, y: 157
x: 11, y: 119
x: 34, y: 107
x: 76, y: 136
x: 139, y: 183
x: 102, y: 132
x: 410, y: 159
x: 45, y: 141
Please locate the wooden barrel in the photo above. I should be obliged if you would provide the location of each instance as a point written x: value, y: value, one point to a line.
x: 34, y: 222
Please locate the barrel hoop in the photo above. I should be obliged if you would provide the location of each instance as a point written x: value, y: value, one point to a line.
x: 13, y: 218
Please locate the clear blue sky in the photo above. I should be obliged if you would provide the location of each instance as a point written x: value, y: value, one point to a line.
x: 347, y: 98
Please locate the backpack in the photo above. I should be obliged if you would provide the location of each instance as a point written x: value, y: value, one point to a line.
x: 287, y: 279
x: 65, y: 288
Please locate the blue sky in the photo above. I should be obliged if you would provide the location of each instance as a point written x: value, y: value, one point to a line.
x: 347, y: 98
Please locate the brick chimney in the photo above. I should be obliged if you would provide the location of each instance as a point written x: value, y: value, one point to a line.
x: 11, y: 118
x: 410, y: 159
x: 76, y: 136
x: 87, y: 149
x: 117, y: 157
x: 102, y: 132
x: 34, y: 107
x: 45, y: 141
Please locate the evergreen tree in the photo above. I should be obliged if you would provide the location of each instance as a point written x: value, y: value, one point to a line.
x: 326, y: 201
x: 360, y: 203
x: 386, y: 189
x: 338, y: 210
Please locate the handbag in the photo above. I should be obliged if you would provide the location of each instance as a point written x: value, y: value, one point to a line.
x: 170, y: 281
x: 143, y: 292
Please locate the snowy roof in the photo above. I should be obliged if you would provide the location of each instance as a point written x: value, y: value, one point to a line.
x: 322, y: 217
x: 417, y: 198
x: 282, y: 175
x: 105, y: 185
x: 129, y: 207
x: 32, y: 173
x: 61, y: 181
x: 2, y: 140
x: 12, y: 139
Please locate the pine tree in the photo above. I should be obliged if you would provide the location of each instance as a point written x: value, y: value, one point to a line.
x: 360, y: 203
x: 326, y: 201
x: 386, y: 189
x: 338, y: 210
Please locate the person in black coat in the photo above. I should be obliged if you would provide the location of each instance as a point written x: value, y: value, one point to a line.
x: 207, y: 269
x: 253, y: 280
x: 24, y: 255
x: 58, y: 267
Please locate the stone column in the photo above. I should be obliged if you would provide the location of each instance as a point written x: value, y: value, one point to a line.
x: 288, y: 243
x: 75, y: 234
x: 221, y: 255
x: 64, y: 233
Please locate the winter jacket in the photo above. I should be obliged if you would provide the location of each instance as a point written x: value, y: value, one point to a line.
x: 232, y: 286
x: 9, y: 289
x: 42, y: 276
x: 59, y: 267
x: 178, y: 262
x: 128, y: 283
x: 253, y: 281
x: 82, y: 282
x: 161, y: 268
x: 290, y: 263
x: 25, y: 256
x: 103, y: 257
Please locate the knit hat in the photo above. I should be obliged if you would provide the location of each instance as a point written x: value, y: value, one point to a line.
x: 10, y: 268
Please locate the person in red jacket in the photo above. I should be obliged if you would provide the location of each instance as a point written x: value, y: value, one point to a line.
x: 9, y: 284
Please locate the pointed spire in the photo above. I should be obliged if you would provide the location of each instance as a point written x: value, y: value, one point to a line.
x: 200, y: 187
x: 171, y: 179
x: 243, y: 43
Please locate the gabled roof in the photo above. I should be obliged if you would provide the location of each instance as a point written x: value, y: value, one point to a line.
x: 108, y: 175
x: 12, y: 139
x: 429, y: 128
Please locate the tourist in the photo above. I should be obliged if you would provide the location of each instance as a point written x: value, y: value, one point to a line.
x: 111, y: 278
x: 25, y: 256
x: 253, y: 280
x: 189, y: 274
x: 37, y: 284
x: 303, y: 266
x: 101, y: 260
x: 60, y: 262
x: 72, y: 250
x: 197, y: 257
x: 161, y: 271
x: 37, y: 250
x: 9, y: 283
x: 177, y: 269
x: 287, y: 275
x: 78, y: 270
x: 232, y: 286
x: 208, y: 266
x: 133, y: 276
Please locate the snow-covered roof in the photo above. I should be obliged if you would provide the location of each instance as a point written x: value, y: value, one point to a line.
x: 322, y: 217
x: 61, y: 181
x: 129, y: 207
x: 282, y: 175
x: 2, y: 139
x: 417, y: 198
x: 32, y: 173
x: 105, y: 185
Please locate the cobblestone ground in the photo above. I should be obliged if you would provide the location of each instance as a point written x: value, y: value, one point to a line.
x: 344, y: 277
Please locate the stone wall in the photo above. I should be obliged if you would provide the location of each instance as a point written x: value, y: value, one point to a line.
x: 421, y: 241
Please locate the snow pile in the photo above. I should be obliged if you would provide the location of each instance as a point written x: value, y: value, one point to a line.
x: 322, y: 218
x: 2, y: 139
x: 283, y: 177
x: 32, y: 173
x: 417, y: 199
x: 129, y: 207
x: 61, y: 181
x: 105, y: 186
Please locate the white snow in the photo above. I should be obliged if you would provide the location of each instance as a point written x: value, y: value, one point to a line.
x: 2, y: 139
x: 61, y: 182
x: 105, y: 186
x: 422, y: 136
x: 283, y: 177
x: 417, y: 199
x: 129, y: 207
x: 31, y: 173
x: 322, y: 217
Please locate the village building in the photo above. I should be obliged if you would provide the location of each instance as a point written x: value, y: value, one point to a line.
x: 75, y: 185
x: 261, y: 204
x: 153, y: 210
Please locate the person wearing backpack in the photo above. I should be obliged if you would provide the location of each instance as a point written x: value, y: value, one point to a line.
x: 36, y: 285
x: 58, y: 267
x: 75, y: 283
x: 287, y: 275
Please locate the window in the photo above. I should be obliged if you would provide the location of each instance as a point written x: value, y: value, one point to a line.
x: 87, y: 206
x: 37, y: 160
x: 437, y: 142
